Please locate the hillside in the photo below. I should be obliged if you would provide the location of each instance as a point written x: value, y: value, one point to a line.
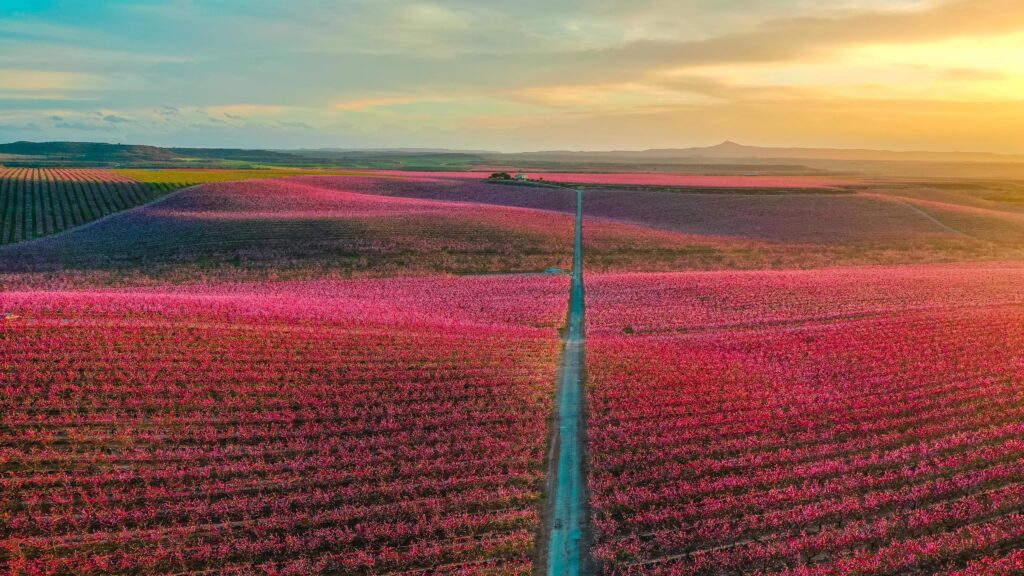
x: 731, y: 158
x: 89, y: 152
x: 326, y: 226
x: 735, y: 151
x: 94, y: 154
x: 727, y: 158
x: 33, y: 154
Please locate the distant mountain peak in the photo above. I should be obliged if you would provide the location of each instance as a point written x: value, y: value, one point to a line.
x: 726, y: 147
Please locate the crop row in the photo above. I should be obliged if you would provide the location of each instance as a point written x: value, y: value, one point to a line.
x: 705, y: 301
x: 830, y: 422
x: 337, y: 226
x: 752, y: 229
x: 277, y: 428
x: 39, y: 202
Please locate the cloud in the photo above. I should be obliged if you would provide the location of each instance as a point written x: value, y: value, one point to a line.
x: 242, y: 110
x: 17, y: 80
x: 870, y: 123
x: 113, y: 119
x: 421, y: 67
x: 364, y: 104
x: 974, y: 74
x: 793, y: 38
x: 426, y: 16
x: 79, y: 126
x: 612, y: 95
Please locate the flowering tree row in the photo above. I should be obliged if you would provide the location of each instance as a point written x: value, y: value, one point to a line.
x: 836, y: 220
x: 64, y: 174
x: 832, y: 422
x: 351, y: 427
x: 657, y: 303
x: 745, y: 228
x: 337, y: 226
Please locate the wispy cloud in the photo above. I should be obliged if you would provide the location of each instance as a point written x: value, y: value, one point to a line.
x: 485, y: 73
x: 17, y: 80
x: 245, y: 110
x: 363, y: 104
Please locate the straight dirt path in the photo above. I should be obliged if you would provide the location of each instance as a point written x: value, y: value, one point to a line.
x: 565, y: 551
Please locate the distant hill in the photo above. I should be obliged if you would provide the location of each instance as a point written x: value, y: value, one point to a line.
x: 89, y: 151
x: 97, y: 153
x: 314, y: 151
x: 129, y: 154
x: 133, y: 155
x: 732, y: 158
x: 733, y: 151
x: 725, y: 158
x: 240, y: 155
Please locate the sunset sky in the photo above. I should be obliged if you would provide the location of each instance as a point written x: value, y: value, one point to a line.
x: 523, y: 75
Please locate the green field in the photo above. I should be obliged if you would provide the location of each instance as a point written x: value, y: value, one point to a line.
x: 174, y: 178
x: 40, y: 202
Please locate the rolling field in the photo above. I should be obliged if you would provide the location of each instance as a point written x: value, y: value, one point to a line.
x: 660, y: 179
x: 287, y: 376
x: 281, y: 227
x: 304, y: 228
x: 746, y: 231
x: 455, y: 288
x: 696, y: 181
x: 791, y: 218
x: 857, y: 421
x: 359, y: 427
x: 40, y: 202
x: 991, y: 222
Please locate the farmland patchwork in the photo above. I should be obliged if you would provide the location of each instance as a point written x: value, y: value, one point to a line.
x: 356, y: 374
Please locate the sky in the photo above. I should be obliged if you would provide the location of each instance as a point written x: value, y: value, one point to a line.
x: 516, y: 75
